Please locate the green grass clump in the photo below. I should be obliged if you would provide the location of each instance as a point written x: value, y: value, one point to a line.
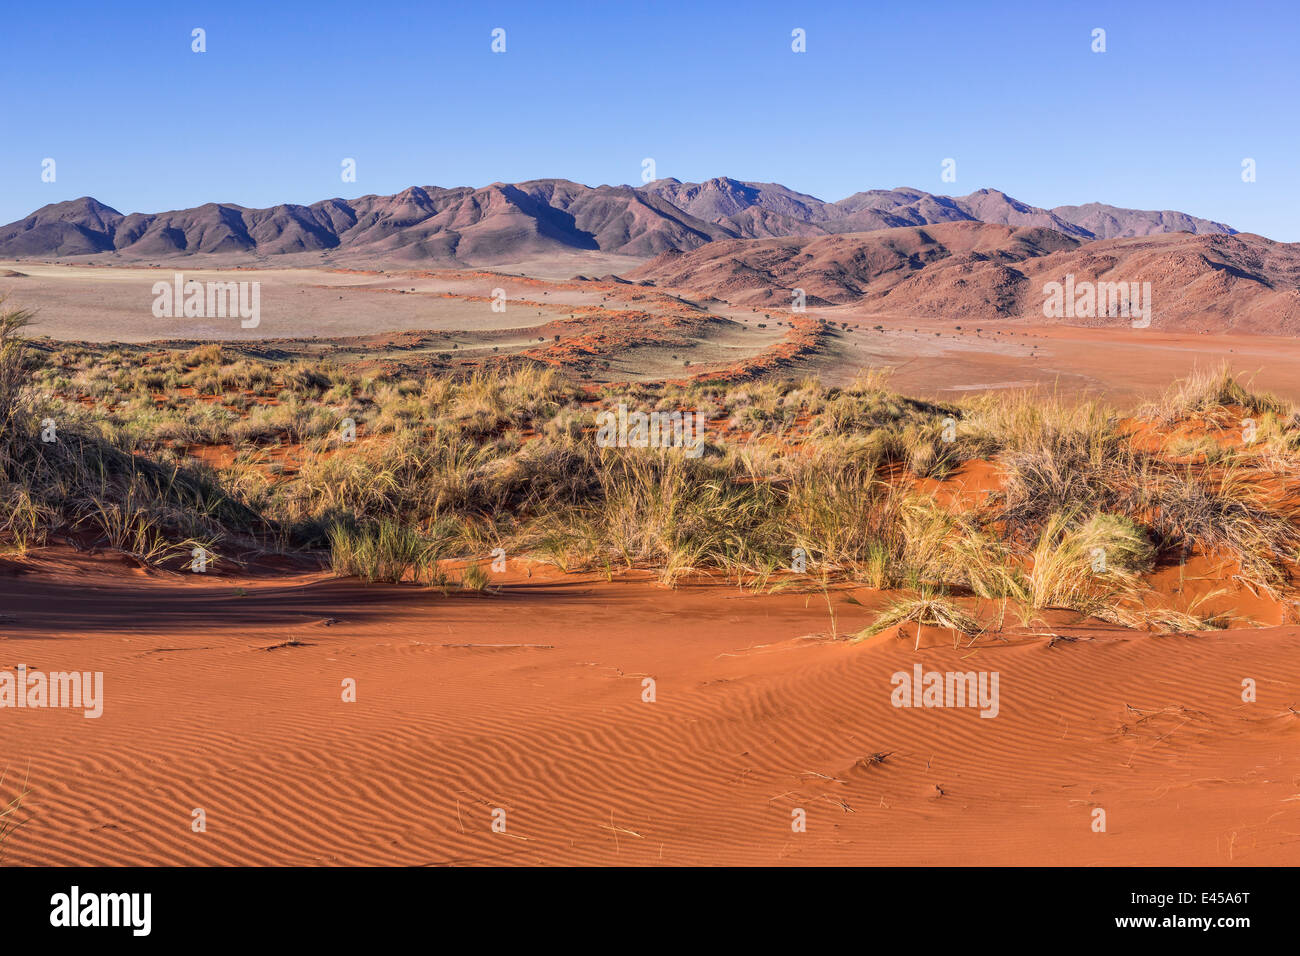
x: 384, y: 550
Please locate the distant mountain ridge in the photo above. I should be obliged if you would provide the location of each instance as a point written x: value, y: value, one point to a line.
x: 508, y: 222
x: 975, y: 271
x: 719, y: 200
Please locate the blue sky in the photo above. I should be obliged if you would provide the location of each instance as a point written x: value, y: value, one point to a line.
x: 885, y: 92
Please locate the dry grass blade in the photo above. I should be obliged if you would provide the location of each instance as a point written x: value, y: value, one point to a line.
x: 927, y: 608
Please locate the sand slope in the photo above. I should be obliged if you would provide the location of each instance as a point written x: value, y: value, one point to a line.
x: 206, y: 709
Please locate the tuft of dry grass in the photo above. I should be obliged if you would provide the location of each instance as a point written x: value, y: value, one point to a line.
x: 926, y: 608
x: 1227, y: 513
x: 9, y: 812
x: 1208, y: 394
x: 385, y: 550
x: 1088, y: 566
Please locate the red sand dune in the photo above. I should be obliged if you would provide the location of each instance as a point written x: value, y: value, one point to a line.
x: 531, y: 701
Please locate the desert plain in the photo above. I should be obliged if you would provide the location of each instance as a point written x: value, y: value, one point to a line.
x: 464, y: 635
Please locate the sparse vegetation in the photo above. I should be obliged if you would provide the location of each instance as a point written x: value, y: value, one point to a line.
x: 161, y: 451
x: 9, y: 821
x: 928, y: 607
x: 1211, y: 394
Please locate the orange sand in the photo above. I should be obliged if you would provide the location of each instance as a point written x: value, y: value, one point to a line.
x: 531, y: 701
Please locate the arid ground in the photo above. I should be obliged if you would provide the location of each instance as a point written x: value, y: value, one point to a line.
x: 938, y: 358
x: 225, y: 695
x: 645, y: 681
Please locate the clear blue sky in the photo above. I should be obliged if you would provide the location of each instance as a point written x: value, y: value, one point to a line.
x: 885, y: 92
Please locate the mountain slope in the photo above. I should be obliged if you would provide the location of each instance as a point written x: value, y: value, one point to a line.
x: 498, y: 223
x: 720, y: 200
x: 843, y: 268
x: 981, y: 271
x: 504, y: 223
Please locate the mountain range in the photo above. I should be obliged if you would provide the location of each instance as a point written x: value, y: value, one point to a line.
x: 504, y: 223
x: 977, y: 271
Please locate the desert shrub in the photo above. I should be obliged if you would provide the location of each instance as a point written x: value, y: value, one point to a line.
x: 1087, y: 565
x: 1207, y: 393
x: 929, y: 607
x: 15, y: 373
x: 949, y: 549
x: 204, y: 355
x: 1053, y: 467
x: 383, y: 550
x: 87, y: 481
x: 841, y: 513
x: 1228, y: 514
